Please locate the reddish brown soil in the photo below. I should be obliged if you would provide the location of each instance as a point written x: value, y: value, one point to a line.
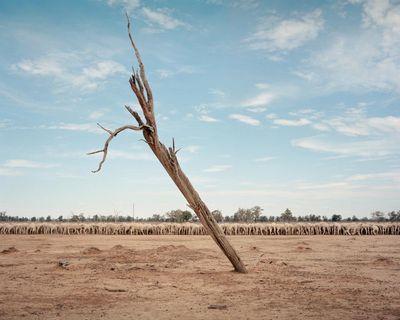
x: 180, y: 277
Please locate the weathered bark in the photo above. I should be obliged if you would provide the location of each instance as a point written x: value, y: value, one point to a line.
x: 170, y: 163
x: 168, y: 159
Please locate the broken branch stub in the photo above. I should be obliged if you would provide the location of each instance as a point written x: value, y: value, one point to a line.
x: 167, y: 157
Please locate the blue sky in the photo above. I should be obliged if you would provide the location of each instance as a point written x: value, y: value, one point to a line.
x: 281, y: 104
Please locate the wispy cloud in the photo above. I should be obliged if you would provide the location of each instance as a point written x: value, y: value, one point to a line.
x: 203, y: 113
x: 41, y: 67
x: 206, y: 118
x: 65, y: 72
x: 218, y: 168
x: 257, y: 109
x: 162, y: 19
x: 364, y: 60
x: 88, y: 127
x: 218, y: 93
x: 390, y: 175
x: 292, y: 123
x: 260, y: 100
x: 279, y: 35
x: 364, y: 148
x: 245, y: 119
x: 361, y: 125
x: 264, y: 159
x: 23, y: 163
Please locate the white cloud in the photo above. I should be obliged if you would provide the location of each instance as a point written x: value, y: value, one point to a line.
x: 257, y: 109
x: 284, y: 35
x: 218, y: 92
x: 260, y: 100
x: 313, y: 186
x: 382, y: 13
x: 385, y: 124
x: 40, y: 67
x: 89, y: 78
x: 360, y: 125
x: 264, y: 159
x: 64, y: 69
x: 364, y: 60
x: 391, y: 175
x: 162, y: 18
x: 357, y: 63
x: 262, y: 86
x: 306, y: 75
x: 206, y: 118
x: 365, y: 148
x: 23, y: 163
x: 103, y: 69
x: 355, y: 134
x: 218, y: 168
x: 245, y: 119
x: 292, y: 123
x: 88, y: 127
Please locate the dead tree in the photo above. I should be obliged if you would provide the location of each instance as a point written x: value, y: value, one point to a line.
x: 167, y: 156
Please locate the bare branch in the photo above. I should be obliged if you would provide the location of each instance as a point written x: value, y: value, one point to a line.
x: 94, y: 152
x: 141, y: 66
x: 139, y: 96
x: 139, y: 82
x: 135, y: 115
x: 105, y: 129
x: 113, y: 134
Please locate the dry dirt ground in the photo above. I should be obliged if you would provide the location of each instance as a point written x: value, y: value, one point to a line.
x: 179, y: 277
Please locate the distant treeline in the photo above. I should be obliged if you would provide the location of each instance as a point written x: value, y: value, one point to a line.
x: 253, y: 214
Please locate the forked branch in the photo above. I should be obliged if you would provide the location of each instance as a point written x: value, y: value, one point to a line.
x: 142, y: 78
x: 113, y: 134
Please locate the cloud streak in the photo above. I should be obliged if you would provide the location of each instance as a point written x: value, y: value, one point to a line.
x: 245, y: 119
x: 27, y: 164
x: 218, y: 168
x: 292, y: 123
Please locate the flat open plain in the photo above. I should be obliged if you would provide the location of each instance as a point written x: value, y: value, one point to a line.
x: 178, y: 277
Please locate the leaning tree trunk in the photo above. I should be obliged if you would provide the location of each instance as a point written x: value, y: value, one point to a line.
x: 170, y: 163
x: 167, y: 157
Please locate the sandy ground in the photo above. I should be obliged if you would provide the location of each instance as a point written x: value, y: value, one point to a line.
x: 179, y: 277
